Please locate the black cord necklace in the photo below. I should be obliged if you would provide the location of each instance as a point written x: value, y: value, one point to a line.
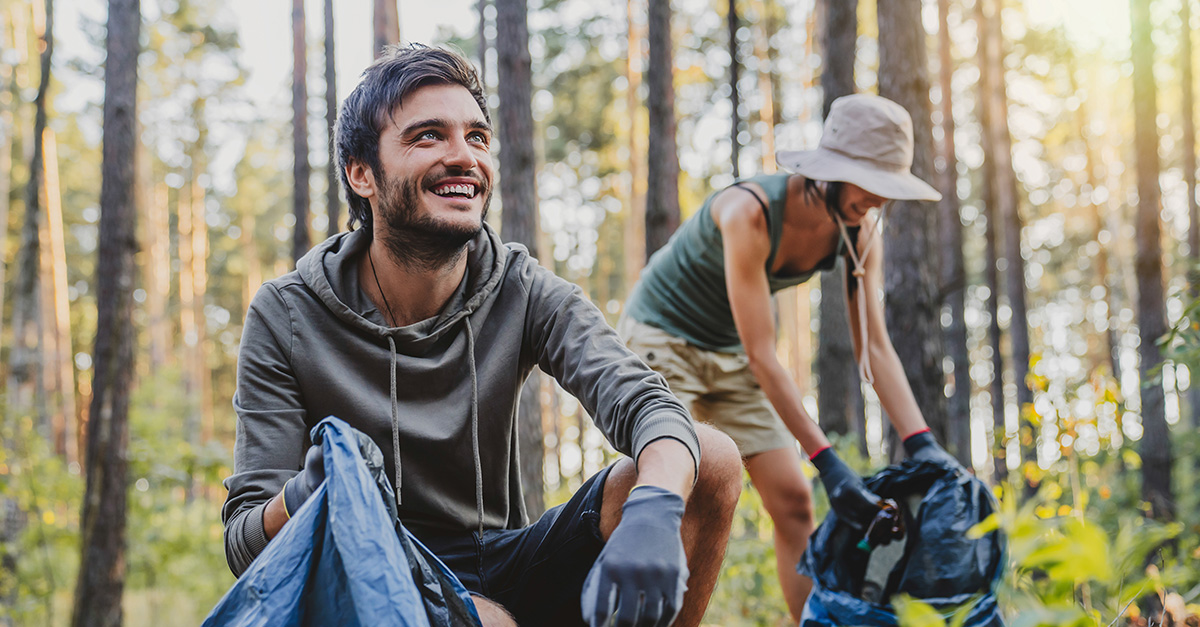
x: 371, y: 260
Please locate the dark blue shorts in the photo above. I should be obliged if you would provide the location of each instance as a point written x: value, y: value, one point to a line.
x: 536, y: 573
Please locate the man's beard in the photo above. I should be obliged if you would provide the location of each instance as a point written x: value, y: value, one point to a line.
x: 421, y: 241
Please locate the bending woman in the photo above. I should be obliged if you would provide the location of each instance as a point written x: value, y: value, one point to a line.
x: 702, y: 313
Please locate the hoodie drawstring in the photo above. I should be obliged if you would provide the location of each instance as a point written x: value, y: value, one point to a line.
x: 475, y: 425
x: 395, y: 418
x: 474, y: 422
x: 860, y: 271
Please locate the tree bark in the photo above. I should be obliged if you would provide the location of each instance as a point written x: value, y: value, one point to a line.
x: 662, y: 157
x: 992, y: 219
x: 301, y: 241
x: 101, y: 579
x: 1152, y: 323
x: 766, y: 85
x: 954, y: 275
x: 519, y: 217
x: 386, y: 26
x: 481, y: 41
x: 840, y: 405
x: 635, y: 218
x: 910, y: 273
x: 1189, y: 176
x: 333, y: 203
x: 735, y: 71
x: 24, y: 392
x: 60, y: 362
x: 1008, y: 206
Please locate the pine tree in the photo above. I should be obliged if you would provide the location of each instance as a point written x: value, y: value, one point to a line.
x: 101, y: 581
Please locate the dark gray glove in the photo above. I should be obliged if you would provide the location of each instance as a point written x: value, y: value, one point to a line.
x: 923, y: 447
x: 848, y: 495
x: 641, y: 575
x: 298, y: 489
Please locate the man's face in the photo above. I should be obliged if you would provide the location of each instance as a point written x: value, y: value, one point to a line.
x: 856, y: 202
x: 436, y: 163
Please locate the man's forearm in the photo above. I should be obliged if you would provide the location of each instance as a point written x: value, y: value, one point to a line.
x: 667, y: 463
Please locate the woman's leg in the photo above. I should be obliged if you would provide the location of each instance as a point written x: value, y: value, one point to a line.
x: 786, y: 493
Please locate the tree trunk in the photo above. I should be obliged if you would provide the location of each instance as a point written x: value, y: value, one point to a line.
x: 991, y: 271
x: 387, y: 26
x: 101, y: 579
x: 766, y: 87
x: 201, y: 375
x: 1189, y: 176
x: 1008, y: 206
x: 26, y: 358
x: 481, y: 41
x: 910, y: 274
x: 840, y: 405
x: 519, y: 217
x: 333, y: 204
x: 635, y: 217
x: 735, y: 71
x: 300, y: 168
x: 1152, y: 323
x: 662, y: 158
x: 61, y: 356
x: 954, y: 275
x: 8, y: 130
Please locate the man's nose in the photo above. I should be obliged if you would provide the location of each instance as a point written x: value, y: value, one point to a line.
x: 459, y: 154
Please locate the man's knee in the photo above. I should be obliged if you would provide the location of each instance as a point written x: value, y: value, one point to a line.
x: 492, y: 614
x: 720, y: 477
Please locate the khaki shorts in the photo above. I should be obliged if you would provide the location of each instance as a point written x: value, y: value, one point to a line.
x: 717, y: 388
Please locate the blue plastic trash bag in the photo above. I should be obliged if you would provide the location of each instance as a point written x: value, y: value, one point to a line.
x: 936, y: 562
x: 343, y: 559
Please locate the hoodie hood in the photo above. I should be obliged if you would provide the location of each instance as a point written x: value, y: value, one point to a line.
x: 330, y: 270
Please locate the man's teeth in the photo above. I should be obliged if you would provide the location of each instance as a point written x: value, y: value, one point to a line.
x: 462, y: 189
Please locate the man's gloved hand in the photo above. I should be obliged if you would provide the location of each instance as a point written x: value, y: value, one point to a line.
x: 848, y: 495
x: 641, y: 575
x: 297, y: 490
x: 922, y: 446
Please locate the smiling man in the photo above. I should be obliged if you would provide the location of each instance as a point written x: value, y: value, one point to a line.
x: 418, y: 328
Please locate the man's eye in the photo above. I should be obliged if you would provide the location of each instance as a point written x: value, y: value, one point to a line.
x: 427, y: 135
x: 478, y: 137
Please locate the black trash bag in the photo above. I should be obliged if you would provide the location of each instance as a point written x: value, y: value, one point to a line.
x: 936, y: 562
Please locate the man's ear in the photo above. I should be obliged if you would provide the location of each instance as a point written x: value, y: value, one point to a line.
x: 362, y: 179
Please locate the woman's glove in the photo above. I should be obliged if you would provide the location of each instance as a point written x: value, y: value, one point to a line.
x: 848, y: 495
x: 641, y: 575
x: 923, y: 447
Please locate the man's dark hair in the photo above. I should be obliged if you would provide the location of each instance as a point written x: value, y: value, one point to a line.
x: 384, y: 86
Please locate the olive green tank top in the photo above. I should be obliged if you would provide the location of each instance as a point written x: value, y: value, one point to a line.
x: 682, y: 289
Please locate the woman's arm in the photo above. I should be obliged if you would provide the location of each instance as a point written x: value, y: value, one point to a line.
x: 890, y: 384
x: 747, y: 246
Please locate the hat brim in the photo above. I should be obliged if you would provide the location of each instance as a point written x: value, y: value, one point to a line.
x: 826, y: 165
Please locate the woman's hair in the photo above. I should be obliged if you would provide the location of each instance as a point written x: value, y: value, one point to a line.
x: 831, y: 196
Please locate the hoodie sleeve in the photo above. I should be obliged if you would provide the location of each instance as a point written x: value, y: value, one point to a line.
x: 573, y: 343
x: 271, y: 432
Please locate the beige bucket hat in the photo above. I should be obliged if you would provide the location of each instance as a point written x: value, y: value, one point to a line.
x: 867, y: 141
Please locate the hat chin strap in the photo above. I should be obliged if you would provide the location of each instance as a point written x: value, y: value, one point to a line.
x: 860, y: 271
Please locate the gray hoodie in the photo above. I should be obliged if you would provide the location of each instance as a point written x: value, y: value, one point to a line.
x: 440, y: 395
